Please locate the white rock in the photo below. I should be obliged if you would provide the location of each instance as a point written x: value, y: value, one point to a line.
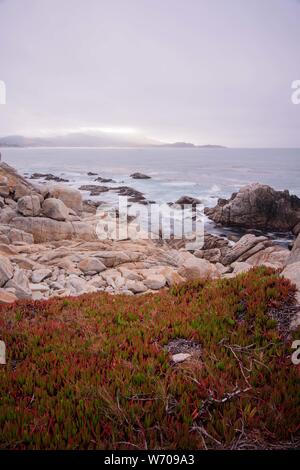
x: 40, y: 274
x: 130, y: 274
x: 155, y: 281
x: 91, y: 265
x: 136, y: 287
x: 39, y: 287
x: 56, y: 285
x: 119, y: 282
x: 7, y: 297
x: 97, y: 281
x: 180, y: 357
x: 77, y: 284
x: 38, y: 296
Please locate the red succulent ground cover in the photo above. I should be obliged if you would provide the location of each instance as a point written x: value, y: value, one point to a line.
x: 94, y: 372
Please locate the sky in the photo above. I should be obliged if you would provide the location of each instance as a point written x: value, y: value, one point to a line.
x: 204, y: 71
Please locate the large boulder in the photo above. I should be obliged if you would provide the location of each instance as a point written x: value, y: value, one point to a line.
x: 258, y: 206
x: 273, y: 256
x: 69, y: 196
x: 20, y: 284
x: 29, y: 206
x: 91, y: 265
x: 15, y: 182
x: 192, y: 268
x: 6, y: 270
x: 136, y: 287
x: 39, y: 275
x: 155, y: 281
x: 292, y: 272
x: 47, y: 230
x: 55, y: 209
x: 77, y: 285
x: 247, y: 246
x: 295, y: 253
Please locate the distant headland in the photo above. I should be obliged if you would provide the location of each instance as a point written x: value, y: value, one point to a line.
x: 101, y: 139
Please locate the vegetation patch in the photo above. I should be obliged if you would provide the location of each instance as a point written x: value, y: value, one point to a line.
x: 94, y: 372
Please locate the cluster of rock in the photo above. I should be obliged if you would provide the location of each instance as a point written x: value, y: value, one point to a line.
x: 40, y: 271
x: 48, y: 177
x: 74, y: 267
x: 48, y: 248
x: 133, y: 194
x: 39, y: 214
x: 258, y: 206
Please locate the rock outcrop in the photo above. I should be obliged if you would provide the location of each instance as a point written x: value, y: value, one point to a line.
x: 258, y: 206
x: 14, y: 182
x: 247, y: 246
x: 187, y: 200
x: 45, y: 230
x: 140, y: 176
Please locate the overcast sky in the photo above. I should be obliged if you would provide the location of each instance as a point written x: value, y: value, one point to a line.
x: 207, y: 71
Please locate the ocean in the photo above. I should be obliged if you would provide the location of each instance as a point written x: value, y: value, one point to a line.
x: 206, y: 174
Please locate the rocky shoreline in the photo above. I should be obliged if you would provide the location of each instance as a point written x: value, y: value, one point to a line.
x: 49, y: 247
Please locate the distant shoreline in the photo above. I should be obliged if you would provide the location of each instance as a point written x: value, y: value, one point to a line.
x: 213, y: 147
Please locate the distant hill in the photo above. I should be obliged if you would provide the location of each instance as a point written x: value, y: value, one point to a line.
x: 189, y: 145
x: 99, y: 139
